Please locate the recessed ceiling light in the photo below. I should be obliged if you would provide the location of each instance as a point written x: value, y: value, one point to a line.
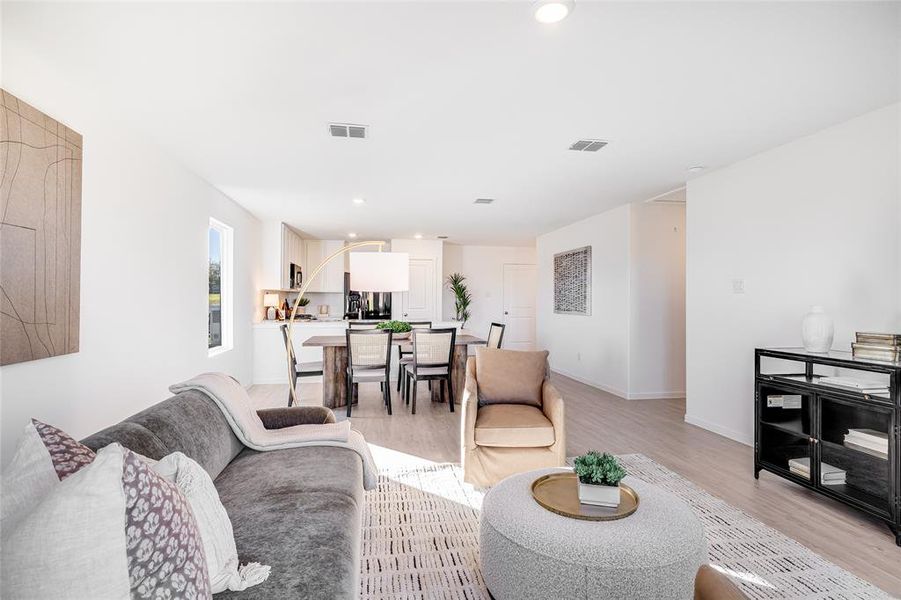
x: 418, y: 236
x: 351, y: 235
x: 552, y: 11
x: 359, y: 201
x: 696, y: 169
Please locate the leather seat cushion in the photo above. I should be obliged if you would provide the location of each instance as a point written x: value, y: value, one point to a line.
x: 513, y: 426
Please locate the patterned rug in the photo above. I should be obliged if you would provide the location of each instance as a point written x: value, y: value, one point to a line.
x: 421, y: 541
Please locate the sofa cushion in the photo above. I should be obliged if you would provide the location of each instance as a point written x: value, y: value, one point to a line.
x: 513, y: 426
x: 510, y: 376
x: 298, y: 510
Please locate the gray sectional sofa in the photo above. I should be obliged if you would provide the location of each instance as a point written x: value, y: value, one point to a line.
x: 298, y: 510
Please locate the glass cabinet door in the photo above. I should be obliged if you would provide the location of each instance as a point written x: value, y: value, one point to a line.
x: 786, y: 430
x: 854, y: 451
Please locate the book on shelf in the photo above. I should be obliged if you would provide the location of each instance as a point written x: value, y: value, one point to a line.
x: 867, y: 386
x: 880, y: 339
x: 789, y: 401
x: 829, y: 474
x: 869, y: 441
x: 876, y: 352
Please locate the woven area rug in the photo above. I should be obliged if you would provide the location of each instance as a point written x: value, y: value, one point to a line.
x: 421, y: 540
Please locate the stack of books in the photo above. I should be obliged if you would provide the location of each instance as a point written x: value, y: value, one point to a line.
x: 868, y: 441
x: 829, y: 475
x: 877, y: 346
x: 858, y: 384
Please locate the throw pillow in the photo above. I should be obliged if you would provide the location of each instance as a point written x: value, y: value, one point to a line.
x: 113, y: 529
x: 213, y: 523
x: 44, y: 457
x: 510, y: 376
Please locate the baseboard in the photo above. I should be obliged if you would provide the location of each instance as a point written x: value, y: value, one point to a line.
x: 594, y: 384
x: 719, y: 430
x: 657, y: 396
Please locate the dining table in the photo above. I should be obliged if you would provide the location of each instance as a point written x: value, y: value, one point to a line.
x: 334, y: 365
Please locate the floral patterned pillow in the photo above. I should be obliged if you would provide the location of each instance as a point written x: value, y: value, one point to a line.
x: 116, y: 530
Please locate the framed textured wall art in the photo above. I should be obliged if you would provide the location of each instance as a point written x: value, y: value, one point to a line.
x: 40, y: 234
x: 572, y: 282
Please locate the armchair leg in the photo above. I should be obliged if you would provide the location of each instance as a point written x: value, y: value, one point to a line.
x: 400, y: 372
x: 441, y: 390
x: 450, y: 393
x: 387, y: 393
x: 414, y: 395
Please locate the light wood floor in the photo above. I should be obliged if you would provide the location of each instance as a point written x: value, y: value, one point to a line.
x: 655, y: 428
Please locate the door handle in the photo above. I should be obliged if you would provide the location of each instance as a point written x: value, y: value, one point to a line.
x: 506, y: 313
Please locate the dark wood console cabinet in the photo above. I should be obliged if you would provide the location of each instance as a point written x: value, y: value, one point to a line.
x: 815, y: 430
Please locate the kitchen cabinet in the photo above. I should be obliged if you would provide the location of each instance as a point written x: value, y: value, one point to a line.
x: 331, y: 278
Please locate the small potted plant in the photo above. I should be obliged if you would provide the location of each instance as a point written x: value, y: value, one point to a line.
x: 400, y: 329
x: 599, y: 477
x: 302, y: 306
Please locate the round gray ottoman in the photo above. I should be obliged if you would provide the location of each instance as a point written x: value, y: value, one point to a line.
x: 530, y: 552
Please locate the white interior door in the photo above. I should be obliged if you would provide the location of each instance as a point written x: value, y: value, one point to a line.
x: 418, y: 303
x: 520, y: 291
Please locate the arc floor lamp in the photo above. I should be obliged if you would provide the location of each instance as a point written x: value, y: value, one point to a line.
x: 369, y: 271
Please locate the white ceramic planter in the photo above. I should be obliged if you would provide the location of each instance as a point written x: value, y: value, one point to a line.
x: 599, y: 495
x: 817, y: 330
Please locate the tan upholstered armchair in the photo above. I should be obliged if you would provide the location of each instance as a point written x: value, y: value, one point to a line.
x: 513, y: 417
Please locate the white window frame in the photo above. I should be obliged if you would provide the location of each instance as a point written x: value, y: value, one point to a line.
x: 226, y: 285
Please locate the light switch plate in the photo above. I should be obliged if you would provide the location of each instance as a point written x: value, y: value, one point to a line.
x: 738, y: 286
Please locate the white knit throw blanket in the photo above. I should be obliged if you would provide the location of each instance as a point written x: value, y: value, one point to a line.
x: 234, y: 402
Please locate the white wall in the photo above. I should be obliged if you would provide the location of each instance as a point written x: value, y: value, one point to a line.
x: 657, y: 301
x: 595, y: 348
x: 483, y: 267
x: 812, y: 222
x: 143, y: 276
x: 433, y: 249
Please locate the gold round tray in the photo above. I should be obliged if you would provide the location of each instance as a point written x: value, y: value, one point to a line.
x: 559, y: 493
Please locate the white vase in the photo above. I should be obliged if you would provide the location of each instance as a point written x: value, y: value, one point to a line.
x: 817, y: 330
x: 599, y: 495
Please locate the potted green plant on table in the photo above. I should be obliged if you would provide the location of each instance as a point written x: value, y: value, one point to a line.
x: 462, y: 297
x: 400, y: 329
x: 599, y: 476
x: 302, y: 306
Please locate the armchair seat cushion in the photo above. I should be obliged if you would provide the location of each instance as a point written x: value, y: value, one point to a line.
x: 513, y: 426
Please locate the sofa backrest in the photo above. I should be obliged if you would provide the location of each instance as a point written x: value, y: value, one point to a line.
x: 190, y: 423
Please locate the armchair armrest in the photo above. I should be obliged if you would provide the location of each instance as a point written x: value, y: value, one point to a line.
x: 553, y: 408
x: 470, y: 403
x: 278, y: 418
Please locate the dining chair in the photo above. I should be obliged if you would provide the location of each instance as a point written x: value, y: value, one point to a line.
x: 368, y: 361
x: 433, y: 355
x: 296, y: 370
x: 495, y: 335
x: 405, y: 351
x: 356, y: 325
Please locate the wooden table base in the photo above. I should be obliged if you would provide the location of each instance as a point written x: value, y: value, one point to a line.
x: 334, y: 366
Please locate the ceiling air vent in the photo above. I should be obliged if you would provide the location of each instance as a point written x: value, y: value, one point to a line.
x: 483, y: 201
x: 588, y: 145
x: 346, y: 130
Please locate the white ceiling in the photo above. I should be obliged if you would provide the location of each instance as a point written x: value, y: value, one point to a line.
x: 464, y: 100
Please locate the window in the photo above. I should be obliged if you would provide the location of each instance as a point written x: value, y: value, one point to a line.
x: 219, y: 293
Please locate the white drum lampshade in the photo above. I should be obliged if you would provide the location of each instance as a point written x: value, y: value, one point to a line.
x: 380, y: 271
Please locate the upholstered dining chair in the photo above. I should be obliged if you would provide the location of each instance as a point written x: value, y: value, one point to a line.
x: 405, y: 351
x: 358, y: 325
x: 513, y: 418
x: 368, y: 361
x: 495, y: 335
x: 433, y: 355
x: 308, y: 369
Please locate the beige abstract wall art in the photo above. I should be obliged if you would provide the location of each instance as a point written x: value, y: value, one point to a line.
x: 40, y: 234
